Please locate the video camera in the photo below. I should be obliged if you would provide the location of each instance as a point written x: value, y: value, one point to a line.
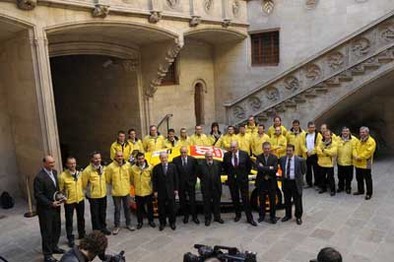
x: 222, y: 253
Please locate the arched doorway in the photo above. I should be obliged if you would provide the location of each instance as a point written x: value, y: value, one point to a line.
x: 199, y: 103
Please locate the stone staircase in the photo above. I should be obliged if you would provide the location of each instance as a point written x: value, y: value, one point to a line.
x: 318, y: 84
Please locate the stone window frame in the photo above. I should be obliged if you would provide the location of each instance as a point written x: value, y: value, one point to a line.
x: 172, y: 76
x: 257, y: 46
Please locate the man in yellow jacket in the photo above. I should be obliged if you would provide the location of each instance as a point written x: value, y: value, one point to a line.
x: 199, y: 139
x: 122, y: 145
x: 93, y: 180
x: 141, y: 179
x: 153, y: 141
x: 362, y: 158
x: 225, y: 140
x: 184, y: 139
x: 70, y: 183
x: 244, y: 140
x: 171, y: 141
x: 118, y: 175
x: 346, y: 143
x: 277, y: 123
x: 251, y: 127
x: 278, y: 143
x: 294, y: 137
x: 258, y: 141
x: 135, y: 143
x: 326, y: 154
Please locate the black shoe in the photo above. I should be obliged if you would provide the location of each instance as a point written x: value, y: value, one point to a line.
x: 332, y: 193
x: 207, y: 222
x: 58, y: 250
x: 185, y: 220
x: 219, y: 220
x: 173, y: 226
x: 273, y: 220
x: 284, y: 219
x: 358, y: 193
x: 308, y: 186
x: 50, y: 259
x: 105, y: 231
x: 139, y: 226
x: 152, y: 224
x: 161, y: 227
x: 237, y: 218
x: 348, y: 191
x: 196, y: 221
x: 299, y: 221
x: 261, y: 219
x: 71, y: 243
x: 339, y: 190
x: 322, y: 191
x: 368, y: 197
x: 80, y: 236
x: 252, y: 222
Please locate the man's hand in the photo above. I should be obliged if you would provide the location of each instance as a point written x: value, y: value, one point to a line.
x: 56, y: 204
x: 176, y: 192
x: 155, y: 194
x: 271, y: 168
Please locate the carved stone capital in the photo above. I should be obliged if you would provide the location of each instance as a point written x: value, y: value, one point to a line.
x: 26, y: 4
x: 195, y: 21
x: 130, y: 65
x: 311, y: 4
x: 154, y: 17
x: 267, y: 6
x: 100, y: 10
x: 226, y: 23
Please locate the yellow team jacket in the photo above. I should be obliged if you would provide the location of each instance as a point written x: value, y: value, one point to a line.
x: 201, y: 140
x: 251, y: 130
x: 244, y: 142
x: 119, y: 177
x: 257, y: 143
x: 326, y: 154
x: 225, y: 141
x: 304, y: 149
x: 136, y: 145
x: 345, y: 151
x: 364, y: 150
x: 278, y: 145
x: 168, y: 144
x: 271, y: 131
x: 153, y: 143
x: 71, y: 186
x: 141, y: 179
x: 213, y: 141
x: 184, y: 141
x: 95, y: 181
x: 295, y: 139
x: 117, y: 147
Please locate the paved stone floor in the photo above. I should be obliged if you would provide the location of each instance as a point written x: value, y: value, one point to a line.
x: 361, y: 230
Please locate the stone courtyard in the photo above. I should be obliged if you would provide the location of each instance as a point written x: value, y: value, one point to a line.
x: 361, y: 230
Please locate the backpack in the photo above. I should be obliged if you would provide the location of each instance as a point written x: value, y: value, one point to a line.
x: 6, y: 200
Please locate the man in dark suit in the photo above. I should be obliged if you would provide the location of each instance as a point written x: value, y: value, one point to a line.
x: 48, y: 209
x: 211, y: 187
x: 266, y: 183
x: 293, y: 168
x: 165, y: 188
x: 186, y: 168
x: 237, y: 166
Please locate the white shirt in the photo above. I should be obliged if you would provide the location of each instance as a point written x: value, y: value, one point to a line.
x: 232, y: 158
x: 184, y: 161
x: 292, y: 168
x: 310, y: 141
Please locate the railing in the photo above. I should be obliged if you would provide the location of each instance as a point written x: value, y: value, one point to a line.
x: 166, y: 119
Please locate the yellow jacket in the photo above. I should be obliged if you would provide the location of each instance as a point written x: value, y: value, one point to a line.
x: 184, y: 141
x: 95, y: 181
x: 213, y: 141
x: 271, y: 131
x: 225, y: 141
x: 278, y: 145
x: 141, y: 179
x: 303, y: 147
x: 117, y: 147
x: 295, y: 139
x: 326, y: 154
x: 119, y: 176
x: 201, y: 140
x: 252, y: 130
x: 345, y: 151
x: 153, y: 143
x: 244, y: 142
x: 257, y: 143
x: 168, y: 143
x: 71, y: 186
x: 364, y: 150
x: 136, y: 145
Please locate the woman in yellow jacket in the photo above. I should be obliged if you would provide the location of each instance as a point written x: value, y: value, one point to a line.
x: 118, y: 175
x: 141, y: 179
x: 326, y: 155
x: 135, y: 143
x: 70, y: 183
x: 346, y: 143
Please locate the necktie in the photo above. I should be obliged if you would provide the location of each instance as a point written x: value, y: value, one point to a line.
x: 165, y: 169
x: 288, y: 168
x: 184, y: 161
x: 235, y: 160
x: 52, y: 177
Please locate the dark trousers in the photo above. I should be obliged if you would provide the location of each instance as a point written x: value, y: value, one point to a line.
x: 290, y: 191
x: 312, y: 169
x: 69, y: 214
x: 125, y: 201
x: 345, y: 177
x: 267, y: 188
x: 361, y: 175
x: 188, y: 192
x: 211, y: 205
x: 141, y: 201
x: 166, y: 207
x: 243, y: 189
x: 49, y: 220
x: 98, y: 212
x: 327, y: 178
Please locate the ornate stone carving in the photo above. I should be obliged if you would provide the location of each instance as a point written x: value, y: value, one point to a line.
x: 154, y: 17
x: 361, y: 1
x: 254, y: 103
x: 226, y: 23
x: 172, y: 3
x: 100, y: 11
x: 361, y: 46
x: 291, y: 83
x: 267, y: 6
x: 312, y: 72
x: 208, y: 5
x: 195, y: 21
x: 335, y: 60
x: 311, y: 4
x: 272, y: 93
x: 236, y: 6
x: 239, y: 112
x: 387, y: 33
x: 130, y: 65
x: 26, y: 4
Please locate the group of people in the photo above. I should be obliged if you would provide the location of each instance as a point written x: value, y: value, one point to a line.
x: 294, y: 152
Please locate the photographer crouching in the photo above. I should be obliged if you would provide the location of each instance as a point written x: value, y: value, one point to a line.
x: 91, y: 246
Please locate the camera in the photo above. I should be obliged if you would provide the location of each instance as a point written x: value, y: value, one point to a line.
x: 221, y: 253
x: 115, y: 258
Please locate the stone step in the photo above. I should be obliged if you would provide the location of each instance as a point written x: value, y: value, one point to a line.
x: 333, y: 81
x: 345, y: 76
x: 357, y: 70
x: 310, y: 93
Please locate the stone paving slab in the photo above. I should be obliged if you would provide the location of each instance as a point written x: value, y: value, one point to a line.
x: 361, y: 230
